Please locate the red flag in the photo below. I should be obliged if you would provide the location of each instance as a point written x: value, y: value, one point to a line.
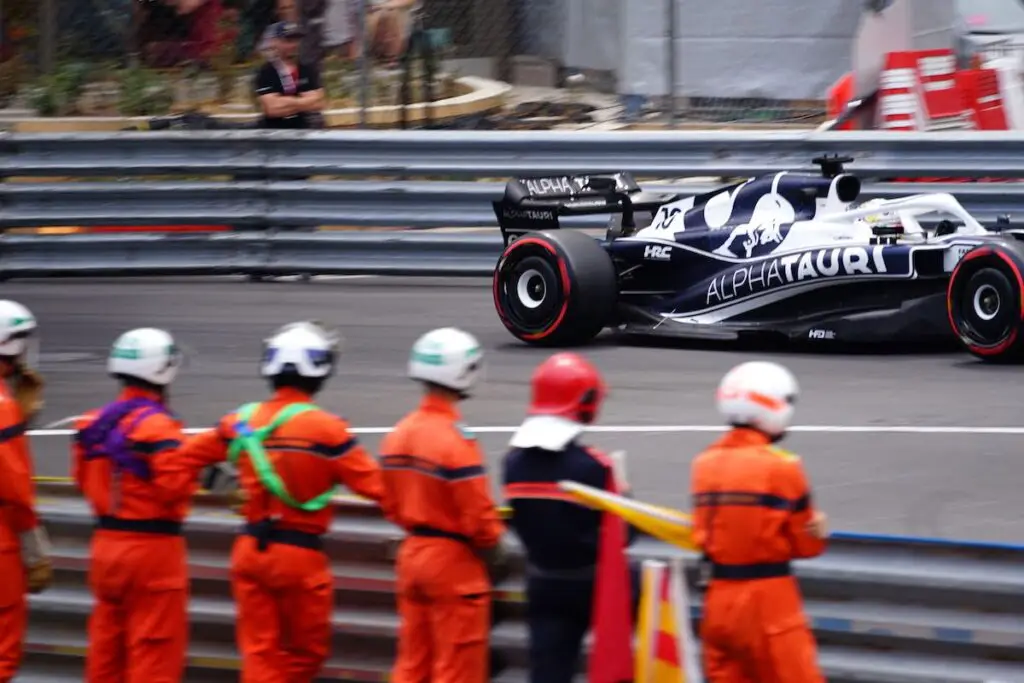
x: 611, y: 656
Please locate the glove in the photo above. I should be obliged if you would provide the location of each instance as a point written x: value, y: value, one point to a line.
x: 35, y: 555
x: 222, y: 480
x: 28, y: 391
x: 496, y: 560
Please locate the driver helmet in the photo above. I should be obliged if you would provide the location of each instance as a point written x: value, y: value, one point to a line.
x: 882, y: 219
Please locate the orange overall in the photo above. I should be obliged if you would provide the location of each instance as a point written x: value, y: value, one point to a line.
x: 17, y: 516
x: 752, y: 508
x: 437, y: 490
x: 285, y: 591
x: 138, y: 569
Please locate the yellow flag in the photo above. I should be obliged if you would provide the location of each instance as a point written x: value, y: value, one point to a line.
x: 647, y: 620
x: 672, y: 526
x: 659, y: 653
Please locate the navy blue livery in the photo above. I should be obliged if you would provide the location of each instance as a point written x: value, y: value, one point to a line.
x: 789, y: 255
x: 560, y: 537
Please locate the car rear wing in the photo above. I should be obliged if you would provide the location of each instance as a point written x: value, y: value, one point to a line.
x: 531, y: 204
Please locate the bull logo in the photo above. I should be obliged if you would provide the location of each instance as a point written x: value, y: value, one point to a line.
x: 754, y: 239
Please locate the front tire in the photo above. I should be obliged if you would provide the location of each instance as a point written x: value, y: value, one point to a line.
x: 555, y: 288
x: 984, y: 300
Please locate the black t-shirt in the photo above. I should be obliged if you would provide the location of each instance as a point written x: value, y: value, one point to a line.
x: 268, y: 80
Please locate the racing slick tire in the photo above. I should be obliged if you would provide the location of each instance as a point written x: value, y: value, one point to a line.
x: 984, y: 300
x: 555, y: 288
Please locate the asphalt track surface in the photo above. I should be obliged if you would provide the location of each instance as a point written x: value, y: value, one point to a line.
x: 926, y: 444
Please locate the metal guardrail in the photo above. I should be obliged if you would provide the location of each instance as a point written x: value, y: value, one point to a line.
x: 418, y: 204
x: 266, y: 199
x: 268, y: 248
x: 472, y: 154
x: 260, y: 254
x: 884, y: 610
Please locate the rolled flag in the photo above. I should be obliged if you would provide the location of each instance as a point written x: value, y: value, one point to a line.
x: 672, y: 526
x: 665, y: 645
x: 611, y: 657
x: 618, y: 459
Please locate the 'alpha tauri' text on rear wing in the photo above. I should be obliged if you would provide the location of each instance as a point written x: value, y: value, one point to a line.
x: 534, y: 204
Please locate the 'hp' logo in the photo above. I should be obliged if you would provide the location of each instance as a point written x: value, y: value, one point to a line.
x: 653, y: 251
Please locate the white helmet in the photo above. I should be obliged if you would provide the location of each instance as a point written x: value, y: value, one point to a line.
x: 17, y: 332
x: 882, y: 219
x: 447, y: 357
x: 758, y: 394
x: 145, y: 353
x: 306, y: 349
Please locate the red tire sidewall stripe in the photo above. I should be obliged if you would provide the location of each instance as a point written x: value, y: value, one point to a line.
x: 1006, y: 343
x: 563, y: 271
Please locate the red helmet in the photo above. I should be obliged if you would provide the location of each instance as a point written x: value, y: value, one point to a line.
x: 567, y: 385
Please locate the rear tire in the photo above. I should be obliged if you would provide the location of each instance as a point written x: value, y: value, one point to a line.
x: 984, y: 300
x: 555, y: 288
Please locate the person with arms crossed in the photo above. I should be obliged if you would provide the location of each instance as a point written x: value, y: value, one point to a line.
x: 436, y: 489
x: 25, y: 565
x: 290, y: 93
x: 288, y: 456
x: 138, y: 559
x: 753, y: 514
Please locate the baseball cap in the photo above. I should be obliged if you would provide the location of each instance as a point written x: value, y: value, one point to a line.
x: 284, y: 30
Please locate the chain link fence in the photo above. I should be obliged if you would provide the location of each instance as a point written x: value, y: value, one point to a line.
x: 148, y: 58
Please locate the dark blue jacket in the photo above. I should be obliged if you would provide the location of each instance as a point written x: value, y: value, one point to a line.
x: 558, y: 533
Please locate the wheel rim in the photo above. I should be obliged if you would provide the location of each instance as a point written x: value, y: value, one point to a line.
x: 986, y: 302
x: 530, y: 289
x: 986, y: 308
x: 531, y: 294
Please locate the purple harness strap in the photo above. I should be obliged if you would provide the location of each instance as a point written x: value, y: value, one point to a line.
x: 107, y: 438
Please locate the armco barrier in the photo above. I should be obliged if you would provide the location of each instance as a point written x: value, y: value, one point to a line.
x: 327, y: 253
x: 418, y: 204
x: 884, y: 610
x: 472, y: 154
x: 250, y: 183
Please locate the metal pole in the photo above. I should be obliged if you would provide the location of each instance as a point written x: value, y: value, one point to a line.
x: 47, y: 35
x: 364, y: 65
x: 671, y: 56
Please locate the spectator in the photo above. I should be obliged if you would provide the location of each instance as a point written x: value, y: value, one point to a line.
x: 282, y: 10
x: 288, y: 10
x: 389, y: 25
x: 289, y: 90
x: 175, y: 31
x: 341, y: 28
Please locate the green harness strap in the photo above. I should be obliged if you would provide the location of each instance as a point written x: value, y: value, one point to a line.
x: 251, y: 440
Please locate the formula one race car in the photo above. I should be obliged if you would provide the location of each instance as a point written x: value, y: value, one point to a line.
x: 789, y: 254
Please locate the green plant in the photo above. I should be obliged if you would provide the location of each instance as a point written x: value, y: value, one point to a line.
x: 57, y: 94
x: 144, y: 93
x: 13, y: 72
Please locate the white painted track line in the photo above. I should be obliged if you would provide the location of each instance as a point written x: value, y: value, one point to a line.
x: 668, y: 429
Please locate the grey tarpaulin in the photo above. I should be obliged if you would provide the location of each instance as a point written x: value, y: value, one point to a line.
x: 772, y: 49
